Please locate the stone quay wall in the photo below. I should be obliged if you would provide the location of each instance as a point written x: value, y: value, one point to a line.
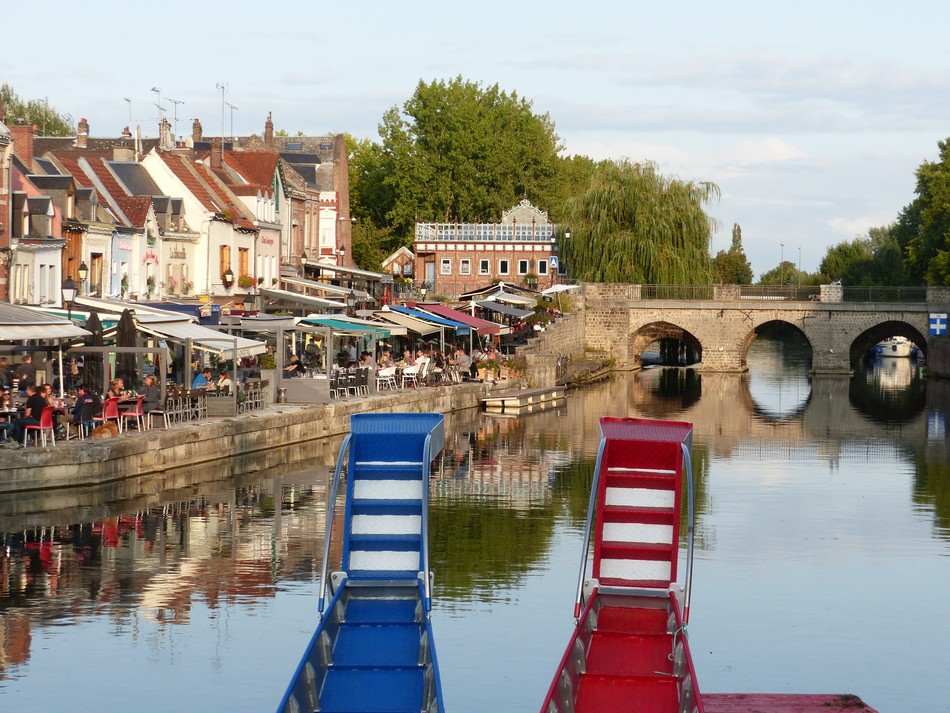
x: 98, y: 462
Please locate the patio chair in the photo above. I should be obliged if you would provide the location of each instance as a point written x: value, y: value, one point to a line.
x: 85, y: 423
x: 410, y: 374
x: 110, y: 412
x: 386, y: 379
x: 137, y: 413
x: 46, y: 424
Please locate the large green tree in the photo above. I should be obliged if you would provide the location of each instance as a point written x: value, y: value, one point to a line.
x: 871, y: 260
x: 732, y: 267
x: 36, y: 112
x: 458, y: 151
x: 631, y: 224
x: 923, y: 229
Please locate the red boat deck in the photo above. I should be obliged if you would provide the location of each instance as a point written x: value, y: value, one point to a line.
x: 783, y: 703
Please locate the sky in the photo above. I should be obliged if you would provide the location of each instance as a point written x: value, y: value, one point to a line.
x: 811, y: 117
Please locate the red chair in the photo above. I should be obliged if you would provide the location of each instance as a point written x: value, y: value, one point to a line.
x: 110, y: 412
x: 46, y: 424
x: 137, y: 413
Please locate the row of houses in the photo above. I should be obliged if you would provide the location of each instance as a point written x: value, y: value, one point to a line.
x: 135, y: 218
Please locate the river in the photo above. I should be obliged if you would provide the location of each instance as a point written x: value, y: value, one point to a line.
x: 823, y: 535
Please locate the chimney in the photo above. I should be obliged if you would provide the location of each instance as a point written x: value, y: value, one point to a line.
x: 126, y: 133
x: 82, y: 136
x: 22, y: 134
x: 196, y: 131
x: 165, y: 139
x: 216, y: 150
x: 269, y: 132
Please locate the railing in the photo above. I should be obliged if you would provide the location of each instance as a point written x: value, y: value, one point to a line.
x: 676, y: 292
x: 688, y: 470
x: 426, y: 577
x: 331, y: 508
x: 591, y: 508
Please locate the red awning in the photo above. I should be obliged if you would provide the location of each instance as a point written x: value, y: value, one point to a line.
x: 482, y: 326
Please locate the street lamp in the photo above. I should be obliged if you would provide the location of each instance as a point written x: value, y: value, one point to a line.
x: 423, y: 291
x: 83, y: 273
x: 350, y: 301
x: 342, y: 253
x: 228, y: 278
x: 781, y: 265
x: 69, y: 291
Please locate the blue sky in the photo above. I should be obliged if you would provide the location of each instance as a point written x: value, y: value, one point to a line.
x: 811, y: 117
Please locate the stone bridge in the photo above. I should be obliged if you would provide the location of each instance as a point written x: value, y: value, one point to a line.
x: 621, y: 323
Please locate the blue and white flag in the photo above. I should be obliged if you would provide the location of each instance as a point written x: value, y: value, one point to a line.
x: 938, y: 324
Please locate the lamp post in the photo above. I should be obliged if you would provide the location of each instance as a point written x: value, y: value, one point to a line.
x: 350, y: 301
x: 781, y: 266
x: 228, y: 278
x: 69, y: 291
x: 83, y: 274
x: 303, y: 264
x: 423, y: 291
x: 341, y: 253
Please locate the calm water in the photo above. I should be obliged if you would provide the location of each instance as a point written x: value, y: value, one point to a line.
x: 823, y: 536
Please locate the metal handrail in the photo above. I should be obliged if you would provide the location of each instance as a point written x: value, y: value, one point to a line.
x: 331, y: 508
x: 595, y: 482
x: 424, y: 525
x: 690, y: 516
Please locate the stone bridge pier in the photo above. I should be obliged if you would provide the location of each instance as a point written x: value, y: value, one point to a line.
x: 621, y: 324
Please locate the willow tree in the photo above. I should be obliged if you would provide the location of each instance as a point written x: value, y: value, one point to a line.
x: 633, y: 225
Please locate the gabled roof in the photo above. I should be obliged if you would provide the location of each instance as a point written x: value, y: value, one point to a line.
x: 207, y: 189
x: 255, y: 167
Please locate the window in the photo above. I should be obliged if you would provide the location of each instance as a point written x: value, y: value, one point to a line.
x: 523, y: 267
x: 542, y: 267
x: 502, y: 267
x: 243, y: 261
x: 224, y: 259
x: 445, y: 266
x: 465, y: 266
x: 484, y: 267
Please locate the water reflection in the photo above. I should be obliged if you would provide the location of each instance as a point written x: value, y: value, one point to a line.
x: 206, y: 575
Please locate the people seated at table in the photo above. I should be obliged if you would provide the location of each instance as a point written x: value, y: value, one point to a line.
x: 294, y: 368
x: 7, y: 412
x: 152, y: 396
x: 202, y: 379
x: 5, y: 378
x: 464, y: 362
x: 88, y: 401
x: 366, y: 359
x: 35, y: 403
x: 385, y: 360
x: 223, y: 382
x: 116, y: 390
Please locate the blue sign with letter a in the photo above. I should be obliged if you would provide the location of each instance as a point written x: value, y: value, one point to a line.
x: 938, y: 324
x: 553, y: 262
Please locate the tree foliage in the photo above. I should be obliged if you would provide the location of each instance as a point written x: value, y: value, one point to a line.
x: 923, y: 230
x: 732, y: 267
x: 457, y: 151
x: 35, y: 112
x: 630, y: 224
x: 871, y: 260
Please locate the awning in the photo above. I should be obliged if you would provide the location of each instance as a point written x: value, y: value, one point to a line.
x: 505, y: 309
x: 413, y: 324
x: 378, y: 331
x: 394, y: 329
x: 18, y: 323
x: 460, y: 328
x: 502, y: 296
x: 201, y: 337
x: 482, y: 326
x: 306, y: 300
x: 353, y: 271
x: 554, y: 289
x: 119, y: 306
x: 323, y: 286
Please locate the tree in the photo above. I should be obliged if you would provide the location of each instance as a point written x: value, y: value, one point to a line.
x: 785, y: 273
x: 371, y: 196
x: 35, y: 112
x: 871, y: 260
x: 924, y: 225
x: 731, y: 267
x: 630, y: 224
x: 459, y: 152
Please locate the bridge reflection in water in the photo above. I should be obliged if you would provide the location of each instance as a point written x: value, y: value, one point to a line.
x: 808, y: 487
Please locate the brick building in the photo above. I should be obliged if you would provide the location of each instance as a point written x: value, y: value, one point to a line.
x: 452, y: 258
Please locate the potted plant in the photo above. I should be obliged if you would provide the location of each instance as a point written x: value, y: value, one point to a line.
x: 171, y: 284
x: 186, y: 286
x: 150, y: 285
x: 124, y: 284
x: 531, y: 280
x: 246, y: 282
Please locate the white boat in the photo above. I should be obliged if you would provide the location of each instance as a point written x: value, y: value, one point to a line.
x: 899, y: 347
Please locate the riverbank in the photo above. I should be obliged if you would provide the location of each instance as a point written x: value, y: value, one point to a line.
x: 188, y: 445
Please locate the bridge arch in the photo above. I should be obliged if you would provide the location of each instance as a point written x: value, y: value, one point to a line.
x: 866, y: 340
x: 652, y: 332
x: 770, y: 325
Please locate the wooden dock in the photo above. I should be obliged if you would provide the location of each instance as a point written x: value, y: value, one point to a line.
x: 512, y: 401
